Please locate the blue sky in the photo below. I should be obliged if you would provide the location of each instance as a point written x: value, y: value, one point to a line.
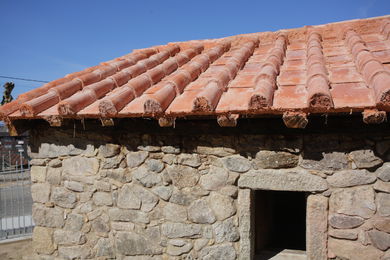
x: 47, y: 39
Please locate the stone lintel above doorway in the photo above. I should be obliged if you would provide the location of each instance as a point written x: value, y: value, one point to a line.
x: 282, y: 180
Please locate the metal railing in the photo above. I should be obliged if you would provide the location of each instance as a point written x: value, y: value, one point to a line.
x: 15, y: 193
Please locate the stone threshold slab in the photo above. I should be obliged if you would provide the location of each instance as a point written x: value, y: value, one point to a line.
x: 286, y: 254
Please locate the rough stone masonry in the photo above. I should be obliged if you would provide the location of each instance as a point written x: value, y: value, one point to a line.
x: 109, y: 195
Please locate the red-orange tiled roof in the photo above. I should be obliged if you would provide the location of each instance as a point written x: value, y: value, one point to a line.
x: 332, y: 68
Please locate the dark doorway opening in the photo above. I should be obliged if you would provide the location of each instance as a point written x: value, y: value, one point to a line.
x: 279, y: 221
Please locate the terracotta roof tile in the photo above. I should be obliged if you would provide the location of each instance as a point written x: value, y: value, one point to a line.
x: 230, y: 103
x: 291, y: 97
x: 352, y: 95
x: 291, y: 77
x: 330, y: 68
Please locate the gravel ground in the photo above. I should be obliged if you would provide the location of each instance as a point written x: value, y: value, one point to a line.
x: 16, y: 250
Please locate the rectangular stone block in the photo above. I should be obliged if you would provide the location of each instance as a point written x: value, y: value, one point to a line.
x: 38, y: 173
x: 246, y: 229
x: 283, y: 180
x: 43, y: 240
x: 317, y: 227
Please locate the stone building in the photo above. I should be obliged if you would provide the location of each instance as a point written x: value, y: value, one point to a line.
x: 270, y: 144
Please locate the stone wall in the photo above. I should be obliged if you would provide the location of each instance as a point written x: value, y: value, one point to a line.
x: 104, y: 195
